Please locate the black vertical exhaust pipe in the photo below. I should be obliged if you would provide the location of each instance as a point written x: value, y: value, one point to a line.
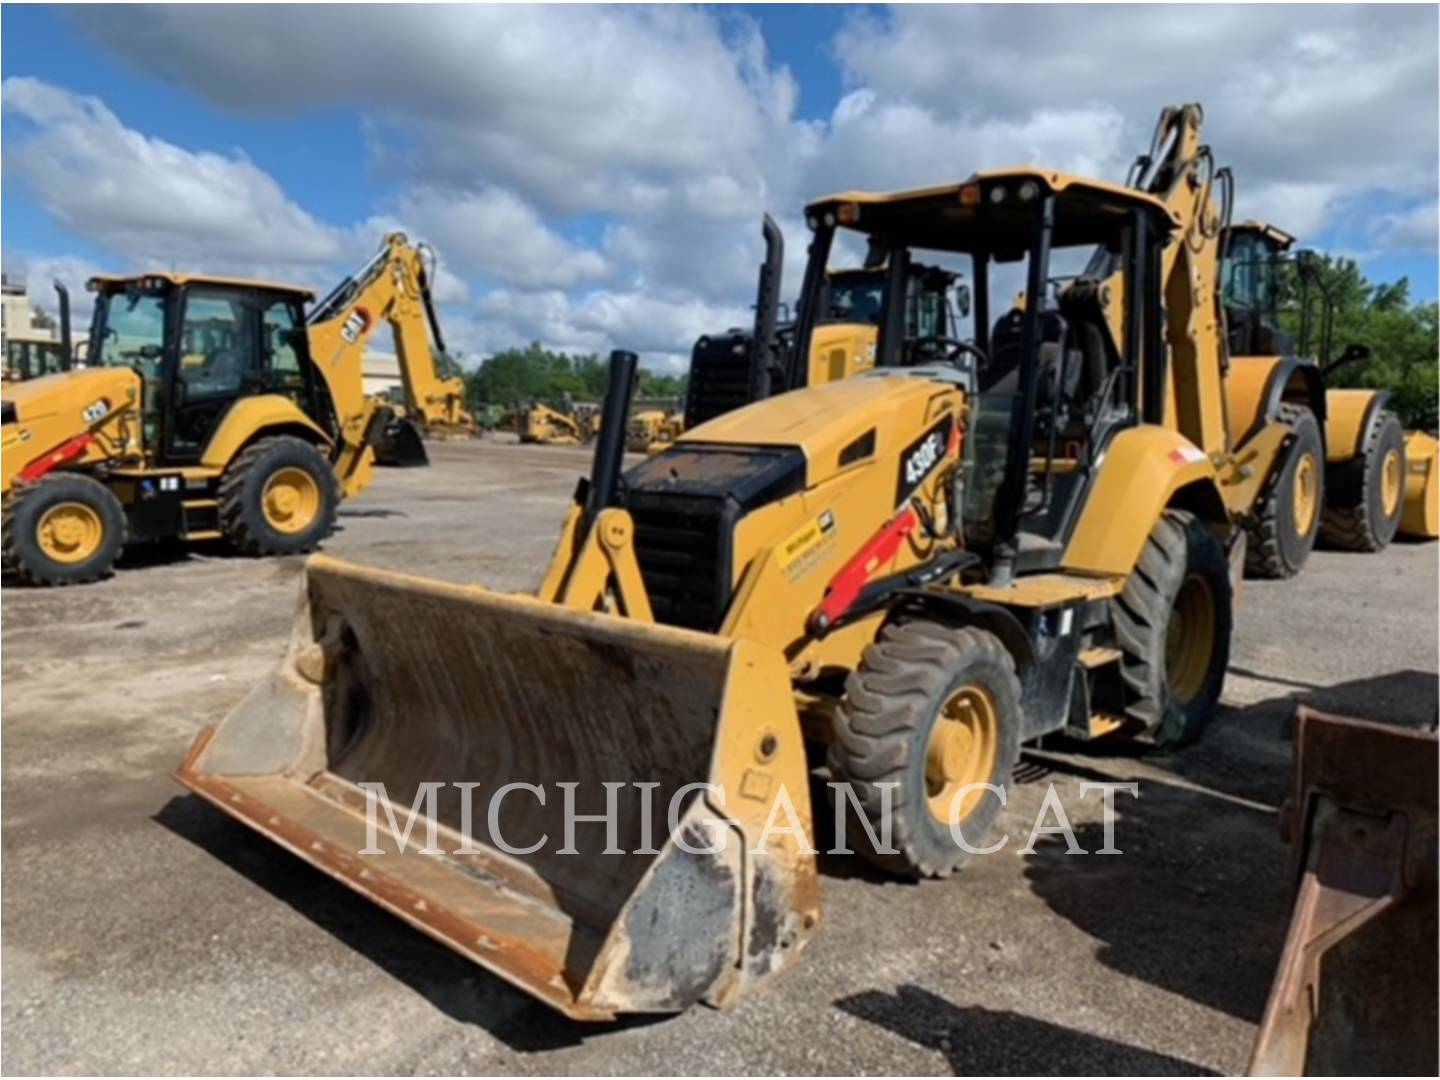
x: 767, y: 308
x: 610, y: 446
x: 66, y: 342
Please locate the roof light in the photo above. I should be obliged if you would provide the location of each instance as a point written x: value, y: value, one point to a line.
x: 829, y: 221
x: 812, y: 222
x: 847, y: 213
x: 1028, y: 190
x: 970, y: 195
x: 997, y: 194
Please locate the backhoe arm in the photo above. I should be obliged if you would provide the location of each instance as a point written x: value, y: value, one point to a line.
x: 392, y: 287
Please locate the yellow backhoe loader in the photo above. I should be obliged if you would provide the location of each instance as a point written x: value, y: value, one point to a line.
x: 911, y: 572
x: 30, y: 353
x: 211, y: 408
x: 744, y: 365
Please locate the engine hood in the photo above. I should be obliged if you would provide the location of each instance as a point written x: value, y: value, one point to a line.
x: 838, y: 424
x: 68, y: 391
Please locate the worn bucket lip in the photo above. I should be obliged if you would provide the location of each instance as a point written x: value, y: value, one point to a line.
x: 394, y: 896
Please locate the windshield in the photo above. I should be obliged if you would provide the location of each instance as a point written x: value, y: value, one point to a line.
x: 857, y: 298
x: 130, y: 330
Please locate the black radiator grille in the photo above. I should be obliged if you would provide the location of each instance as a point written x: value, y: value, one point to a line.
x: 683, y: 547
x: 723, y: 377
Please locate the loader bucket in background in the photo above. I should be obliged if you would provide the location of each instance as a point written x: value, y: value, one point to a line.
x: 400, y: 446
x: 1420, y: 514
x: 1355, y: 992
x: 407, y: 681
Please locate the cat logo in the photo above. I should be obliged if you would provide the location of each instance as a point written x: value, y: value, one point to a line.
x: 356, y: 323
x: 94, y: 411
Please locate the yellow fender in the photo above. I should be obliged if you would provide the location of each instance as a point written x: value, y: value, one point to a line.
x: 1255, y: 387
x: 1145, y: 469
x: 248, y: 417
x: 1420, y: 516
x: 1349, y: 415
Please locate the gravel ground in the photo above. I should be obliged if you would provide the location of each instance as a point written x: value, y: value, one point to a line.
x: 144, y: 932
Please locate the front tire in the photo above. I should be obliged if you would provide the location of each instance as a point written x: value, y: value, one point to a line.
x: 1287, y: 521
x: 1375, y: 480
x: 1172, y: 622
x: 65, y: 529
x: 931, y: 709
x: 278, y: 497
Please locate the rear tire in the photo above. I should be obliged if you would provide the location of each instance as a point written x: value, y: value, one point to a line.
x: 65, y: 529
x: 278, y: 497
x: 1172, y: 623
x: 1377, y: 477
x: 930, y: 709
x: 1287, y: 521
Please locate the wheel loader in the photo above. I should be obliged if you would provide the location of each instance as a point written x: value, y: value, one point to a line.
x: 212, y: 408
x: 1360, y: 477
x: 906, y: 574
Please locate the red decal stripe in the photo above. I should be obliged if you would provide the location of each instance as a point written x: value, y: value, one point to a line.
x: 845, y: 586
x: 71, y: 448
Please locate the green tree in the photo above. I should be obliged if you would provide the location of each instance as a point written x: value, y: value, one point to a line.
x: 535, y: 373
x: 1403, y: 337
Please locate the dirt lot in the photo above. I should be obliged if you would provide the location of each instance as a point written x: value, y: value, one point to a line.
x: 144, y: 932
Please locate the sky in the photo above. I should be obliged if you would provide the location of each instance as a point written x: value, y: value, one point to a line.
x: 593, y: 177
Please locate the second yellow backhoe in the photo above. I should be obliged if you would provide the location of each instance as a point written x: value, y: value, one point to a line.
x: 212, y: 408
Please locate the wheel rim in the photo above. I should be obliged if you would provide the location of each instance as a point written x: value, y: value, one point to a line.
x: 291, y: 500
x: 1190, y: 639
x: 1390, y: 482
x: 70, y: 532
x: 1305, y: 494
x: 960, y: 750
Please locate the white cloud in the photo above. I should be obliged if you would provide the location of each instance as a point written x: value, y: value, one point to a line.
x: 669, y: 130
x: 1311, y: 105
x: 660, y: 330
x: 1410, y: 230
x: 149, y: 199
x: 493, y: 233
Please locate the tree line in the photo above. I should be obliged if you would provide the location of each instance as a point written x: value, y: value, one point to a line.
x: 535, y: 373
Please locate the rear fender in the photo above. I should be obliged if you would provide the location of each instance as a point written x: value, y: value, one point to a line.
x: 254, y: 417
x: 1145, y: 470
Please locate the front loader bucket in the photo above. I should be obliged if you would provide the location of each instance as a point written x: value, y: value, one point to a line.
x: 1355, y: 992
x: 421, y: 685
x: 400, y: 446
x: 1420, y: 514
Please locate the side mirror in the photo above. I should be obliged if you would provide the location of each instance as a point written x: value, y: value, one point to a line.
x: 1354, y: 353
x: 962, y: 300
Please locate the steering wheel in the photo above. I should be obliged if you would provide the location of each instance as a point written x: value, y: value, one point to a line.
x: 950, y: 350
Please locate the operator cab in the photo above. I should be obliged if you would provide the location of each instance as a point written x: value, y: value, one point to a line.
x: 1056, y: 374
x: 1250, y: 289
x: 199, y: 345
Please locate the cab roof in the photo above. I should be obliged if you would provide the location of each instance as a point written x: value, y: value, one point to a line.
x: 965, y: 217
x: 175, y: 278
x: 1282, y: 239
